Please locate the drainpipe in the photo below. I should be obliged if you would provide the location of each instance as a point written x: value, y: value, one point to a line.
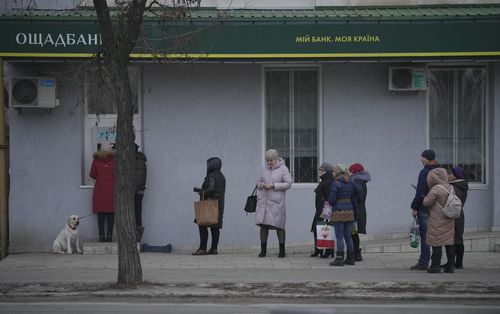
x: 4, y: 225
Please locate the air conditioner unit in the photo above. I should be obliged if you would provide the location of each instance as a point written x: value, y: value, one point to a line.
x: 407, y: 79
x: 32, y: 92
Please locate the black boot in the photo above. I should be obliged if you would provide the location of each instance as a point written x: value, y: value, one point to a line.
x: 437, y: 252
x: 139, y: 232
x: 110, y: 217
x: 357, y: 250
x: 357, y: 256
x: 328, y: 253
x: 263, y: 250
x: 282, y: 250
x: 317, y: 252
x: 459, y: 256
x: 109, y: 236
x: 100, y: 225
x: 450, y: 255
x: 339, y: 260
x: 349, y: 260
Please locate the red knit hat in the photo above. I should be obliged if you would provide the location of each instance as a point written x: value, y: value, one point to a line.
x: 357, y: 167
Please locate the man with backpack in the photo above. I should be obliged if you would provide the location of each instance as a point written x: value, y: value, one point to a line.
x: 428, y: 159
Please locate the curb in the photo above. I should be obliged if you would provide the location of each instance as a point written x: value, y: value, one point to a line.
x: 328, y: 292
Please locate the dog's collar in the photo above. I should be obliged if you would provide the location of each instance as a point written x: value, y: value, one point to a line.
x: 72, y: 228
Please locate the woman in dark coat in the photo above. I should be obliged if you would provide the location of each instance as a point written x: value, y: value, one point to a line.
x: 359, y: 177
x: 140, y: 186
x: 213, y: 187
x: 322, y: 192
x: 103, y: 172
x: 461, y: 186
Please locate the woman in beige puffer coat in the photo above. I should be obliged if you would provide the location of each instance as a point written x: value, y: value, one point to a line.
x: 271, y: 202
x: 440, y: 229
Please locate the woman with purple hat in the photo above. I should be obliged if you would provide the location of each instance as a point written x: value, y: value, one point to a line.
x: 457, y: 180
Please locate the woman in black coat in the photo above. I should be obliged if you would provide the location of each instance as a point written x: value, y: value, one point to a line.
x: 461, y: 186
x: 322, y: 192
x: 359, y: 177
x: 213, y: 187
x: 140, y: 186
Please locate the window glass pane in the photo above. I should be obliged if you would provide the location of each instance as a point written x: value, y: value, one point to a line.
x: 99, y: 97
x: 291, y: 98
x: 278, y: 112
x: 305, y: 95
x: 441, y: 114
x: 470, y: 112
x: 457, y: 119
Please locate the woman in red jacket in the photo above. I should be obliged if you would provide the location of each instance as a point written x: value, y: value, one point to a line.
x: 103, y: 172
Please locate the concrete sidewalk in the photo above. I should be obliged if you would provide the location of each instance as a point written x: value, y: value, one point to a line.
x: 244, y: 275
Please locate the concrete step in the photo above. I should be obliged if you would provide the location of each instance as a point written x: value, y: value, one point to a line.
x: 100, y: 248
x: 473, y: 242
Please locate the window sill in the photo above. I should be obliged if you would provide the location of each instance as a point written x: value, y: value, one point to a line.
x: 478, y: 186
x: 304, y: 185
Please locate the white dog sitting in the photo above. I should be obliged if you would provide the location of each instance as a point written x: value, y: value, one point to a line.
x: 67, y: 237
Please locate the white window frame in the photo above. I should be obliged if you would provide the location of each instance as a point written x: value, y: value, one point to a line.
x: 108, y: 121
x: 317, y: 67
x: 454, y: 66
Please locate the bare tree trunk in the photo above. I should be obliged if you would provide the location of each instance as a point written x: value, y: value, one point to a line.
x: 118, y: 39
x: 129, y: 264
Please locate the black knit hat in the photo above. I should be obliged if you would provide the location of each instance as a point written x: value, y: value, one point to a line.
x: 428, y: 154
x: 326, y: 167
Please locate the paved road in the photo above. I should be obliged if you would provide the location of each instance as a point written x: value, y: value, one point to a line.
x: 242, y: 275
x: 212, y: 308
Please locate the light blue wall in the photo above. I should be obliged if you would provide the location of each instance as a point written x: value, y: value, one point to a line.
x: 384, y: 130
x: 193, y: 112
x: 45, y: 164
x: 495, y: 144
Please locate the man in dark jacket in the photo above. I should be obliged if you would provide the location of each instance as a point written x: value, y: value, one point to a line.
x: 140, y: 186
x: 428, y: 158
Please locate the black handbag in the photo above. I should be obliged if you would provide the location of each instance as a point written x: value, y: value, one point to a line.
x: 251, y: 203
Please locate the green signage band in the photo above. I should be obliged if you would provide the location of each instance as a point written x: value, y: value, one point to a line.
x: 263, y: 56
x: 254, y: 40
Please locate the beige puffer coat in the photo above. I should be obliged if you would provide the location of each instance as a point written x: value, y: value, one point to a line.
x: 440, y: 229
x: 271, y: 204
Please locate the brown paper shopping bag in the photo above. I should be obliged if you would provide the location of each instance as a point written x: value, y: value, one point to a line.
x: 206, y: 212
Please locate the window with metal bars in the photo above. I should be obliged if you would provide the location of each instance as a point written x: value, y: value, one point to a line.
x: 457, y: 119
x: 291, y: 109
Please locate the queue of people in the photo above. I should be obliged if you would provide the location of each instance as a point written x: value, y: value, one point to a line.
x: 102, y: 171
x: 437, y: 230
x: 342, y: 189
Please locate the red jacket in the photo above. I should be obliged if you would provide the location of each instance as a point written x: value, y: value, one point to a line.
x: 103, y: 172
